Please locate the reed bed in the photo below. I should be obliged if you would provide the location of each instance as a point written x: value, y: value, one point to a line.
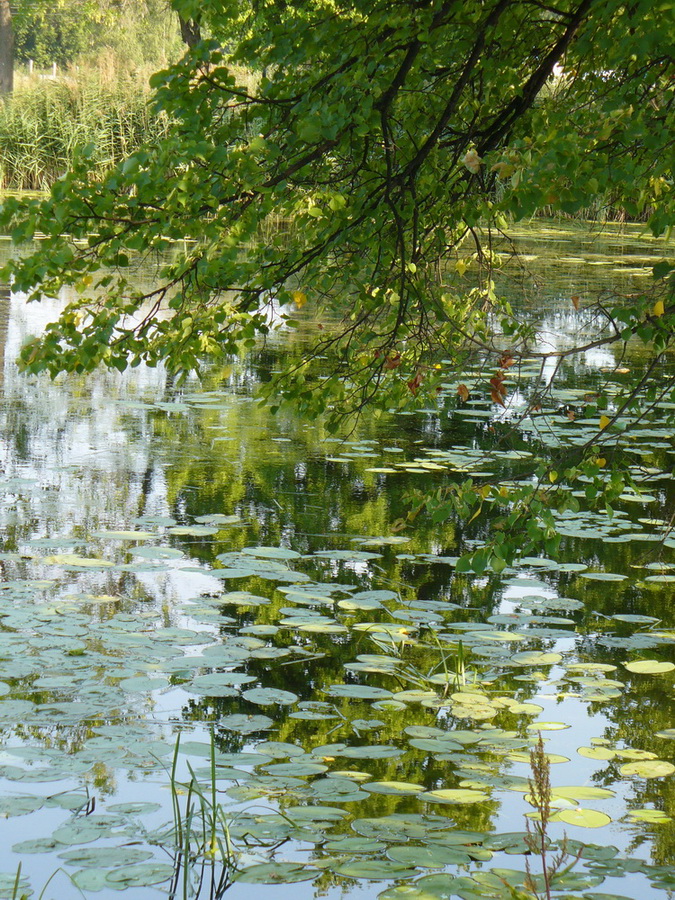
x: 47, y: 122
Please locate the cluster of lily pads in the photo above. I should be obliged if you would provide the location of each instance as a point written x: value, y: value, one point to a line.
x: 432, y: 689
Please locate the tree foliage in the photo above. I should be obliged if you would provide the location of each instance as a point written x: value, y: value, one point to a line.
x: 357, y: 158
x: 68, y: 31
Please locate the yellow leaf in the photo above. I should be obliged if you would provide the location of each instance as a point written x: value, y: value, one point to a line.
x: 299, y: 298
x: 604, y: 422
x: 553, y: 477
x: 472, y: 161
x: 601, y: 461
x: 485, y: 490
x: 658, y: 309
x: 460, y: 267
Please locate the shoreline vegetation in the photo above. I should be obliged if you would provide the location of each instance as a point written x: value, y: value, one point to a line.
x: 47, y: 123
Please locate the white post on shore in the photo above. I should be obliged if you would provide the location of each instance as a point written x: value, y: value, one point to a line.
x: 30, y: 66
x: 53, y: 70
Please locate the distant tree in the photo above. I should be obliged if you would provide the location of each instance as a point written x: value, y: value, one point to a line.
x: 6, y: 48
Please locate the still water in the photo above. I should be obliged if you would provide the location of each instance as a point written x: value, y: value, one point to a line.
x: 194, y: 589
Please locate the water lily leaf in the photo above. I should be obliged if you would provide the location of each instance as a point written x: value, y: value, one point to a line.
x: 649, y: 666
x: 581, y: 792
x: 243, y: 724
x: 392, y: 787
x: 602, y: 576
x: 104, y: 857
x: 536, y: 658
x: 78, y: 562
x: 586, y: 818
x: 634, y: 619
x: 648, y: 768
x: 547, y: 726
x: 424, y: 857
x: 134, y: 808
x: 451, y: 795
x: 147, y: 552
x: 596, y: 752
x: 276, y: 873
x: 376, y: 751
x: 375, y: 869
x: 219, y: 684
x: 347, y: 555
x: 194, y: 530
x: 270, y: 697
x: 272, y: 552
x: 124, y: 535
x: 652, y: 816
x: 358, y: 691
x: 217, y: 519
x: 140, y: 875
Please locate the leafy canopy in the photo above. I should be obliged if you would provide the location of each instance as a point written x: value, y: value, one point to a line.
x: 356, y: 157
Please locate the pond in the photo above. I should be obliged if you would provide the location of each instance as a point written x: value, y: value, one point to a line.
x: 226, y: 660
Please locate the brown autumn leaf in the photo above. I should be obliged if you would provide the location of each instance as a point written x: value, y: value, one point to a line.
x: 575, y: 301
x: 463, y: 392
x: 392, y: 362
x: 414, y: 383
x: 497, y: 388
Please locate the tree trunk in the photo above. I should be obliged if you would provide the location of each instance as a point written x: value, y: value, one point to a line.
x: 6, y: 49
x: 189, y: 30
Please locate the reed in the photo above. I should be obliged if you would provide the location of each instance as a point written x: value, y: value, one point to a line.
x: 46, y: 123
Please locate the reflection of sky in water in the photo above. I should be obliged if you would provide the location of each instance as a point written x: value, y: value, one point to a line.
x: 100, y: 455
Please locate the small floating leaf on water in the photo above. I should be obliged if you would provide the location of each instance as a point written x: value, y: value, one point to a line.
x: 270, y: 697
x: 536, y: 658
x: 603, y: 576
x: 667, y: 733
x: 134, y: 808
x: 649, y: 666
x: 80, y: 562
x: 217, y: 519
x: 242, y: 724
x: 652, y: 816
x: 157, y: 552
x: 425, y: 857
x: 194, y: 530
x: 97, y: 857
x: 347, y: 555
x: 648, y: 768
x: 271, y: 552
x: 547, y: 726
x: 581, y: 792
x: 455, y: 796
x: 635, y: 619
x: 392, y: 787
x: 375, y: 869
x: 124, y: 535
x: 359, y: 691
x: 586, y: 818
x: 219, y: 684
x: 596, y: 752
x: 140, y: 875
x: 590, y: 667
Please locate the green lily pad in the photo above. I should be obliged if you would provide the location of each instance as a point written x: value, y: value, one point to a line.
x: 648, y: 768
x: 140, y: 875
x: 276, y: 873
x: 270, y: 697
x: 649, y: 666
x: 586, y: 818
x: 375, y: 869
x: 455, y: 795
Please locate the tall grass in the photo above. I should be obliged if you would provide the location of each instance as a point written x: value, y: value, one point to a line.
x: 45, y: 122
